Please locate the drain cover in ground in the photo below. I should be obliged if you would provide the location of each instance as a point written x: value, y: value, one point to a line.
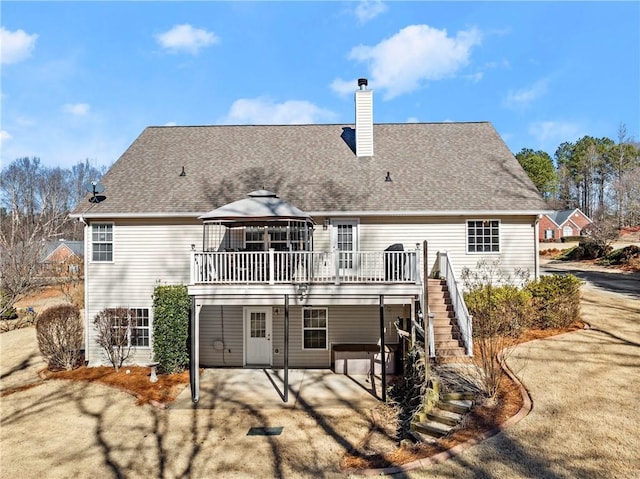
x: 265, y: 431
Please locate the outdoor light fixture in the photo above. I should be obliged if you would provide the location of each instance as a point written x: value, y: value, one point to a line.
x: 326, y: 223
x: 302, y: 291
x: 388, y: 177
x: 193, y: 247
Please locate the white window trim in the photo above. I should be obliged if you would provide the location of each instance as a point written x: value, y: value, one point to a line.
x: 90, y: 242
x: 150, y: 327
x: 355, y: 222
x: 466, y: 232
x: 326, y: 328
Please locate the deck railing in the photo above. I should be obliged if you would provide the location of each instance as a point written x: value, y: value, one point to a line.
x: 274, y: 267
x: 459, y: 307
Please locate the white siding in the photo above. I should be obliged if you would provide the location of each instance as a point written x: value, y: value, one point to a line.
x: 347, y: 324
x: 144, y: 255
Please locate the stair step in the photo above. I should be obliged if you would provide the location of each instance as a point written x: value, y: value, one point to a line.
x: 457, y: 396
x: 444, y: 417
x: 451, y: 352
x: 459, y: 406
x: 431, y: 428
x: 447, y: 343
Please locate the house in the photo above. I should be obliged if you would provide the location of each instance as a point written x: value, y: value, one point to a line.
x: 62, y: 258
x: 564, y: 223
x: 307, y: 246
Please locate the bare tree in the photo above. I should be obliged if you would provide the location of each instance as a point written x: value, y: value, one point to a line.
x: 59, y: 331
x: 113, y: 327
x: 34, y: 209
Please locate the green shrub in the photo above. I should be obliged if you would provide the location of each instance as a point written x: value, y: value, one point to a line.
x: 171, y: 306
x: 10, y: 312
x: 556, y: 301
x: 622, y: 256
x: 499, y: 311
x: 60, y: 333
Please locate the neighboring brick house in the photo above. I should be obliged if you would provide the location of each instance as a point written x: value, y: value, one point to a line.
x: 560, y: 224
x: 63, y: 258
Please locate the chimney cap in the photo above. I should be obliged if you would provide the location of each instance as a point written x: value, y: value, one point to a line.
x: 362, y: 82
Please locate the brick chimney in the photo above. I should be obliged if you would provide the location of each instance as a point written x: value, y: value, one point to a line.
x: 364, y: 119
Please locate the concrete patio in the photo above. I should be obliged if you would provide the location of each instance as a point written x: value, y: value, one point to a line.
x: 265, y: 389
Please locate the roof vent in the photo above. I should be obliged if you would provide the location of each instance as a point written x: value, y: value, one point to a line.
x: 363, y: 82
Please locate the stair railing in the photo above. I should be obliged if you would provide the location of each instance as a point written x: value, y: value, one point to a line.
x: 463, y: 317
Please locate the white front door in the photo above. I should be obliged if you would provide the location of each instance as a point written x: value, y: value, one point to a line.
x: 257, y: 333
x: 345, y: 241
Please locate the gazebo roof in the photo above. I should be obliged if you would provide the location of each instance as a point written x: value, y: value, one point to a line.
x: 260, y: 206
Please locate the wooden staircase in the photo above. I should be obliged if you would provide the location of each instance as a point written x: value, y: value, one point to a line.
x: 442, y: 417
x: 447, y: 337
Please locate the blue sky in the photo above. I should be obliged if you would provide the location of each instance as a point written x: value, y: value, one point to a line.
x: 81, y: 80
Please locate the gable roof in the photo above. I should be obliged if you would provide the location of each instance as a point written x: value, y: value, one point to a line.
x: 75, y: 247
x: 561, y: 216
x: 434, y: 168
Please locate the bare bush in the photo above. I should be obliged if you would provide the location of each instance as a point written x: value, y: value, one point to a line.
x: 59, y: 331
x: 113, y: 326
x: 500, y: 312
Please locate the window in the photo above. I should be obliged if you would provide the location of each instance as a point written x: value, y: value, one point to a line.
x: 102, y: 242
x: 483, y: 236
x: 133, y: 329
x: 314, y: 328
x: 139, y: 334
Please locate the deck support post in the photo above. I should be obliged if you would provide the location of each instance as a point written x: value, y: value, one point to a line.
x: 194, y: 356
x: 286, y: 349
x: 383, y: 368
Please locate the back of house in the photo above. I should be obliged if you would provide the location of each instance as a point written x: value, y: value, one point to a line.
x: 300, y: 242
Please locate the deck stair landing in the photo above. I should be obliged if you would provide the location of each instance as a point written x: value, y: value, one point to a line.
x: 447, y: 337
x: 447, y: 413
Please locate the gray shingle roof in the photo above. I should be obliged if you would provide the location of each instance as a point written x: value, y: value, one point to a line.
x: 435, y: 167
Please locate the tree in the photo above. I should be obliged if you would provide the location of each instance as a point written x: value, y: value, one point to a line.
x: 113, y: 327
x: 539, y: 167
x: 625, y: 159
x: 34, y: 210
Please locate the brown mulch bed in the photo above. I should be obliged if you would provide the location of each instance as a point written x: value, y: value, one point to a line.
x: 134, y: 380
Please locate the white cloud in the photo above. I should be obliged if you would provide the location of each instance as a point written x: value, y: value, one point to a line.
x: 171, y: 123
x: 76, y: 109
x: 554, y: 132
x: 368, y: 10
x: 16, y: 46
x: 4, y: 136
x: 526, y: 96
x: 264, y: 111
x: 412, y: 119
x: 415, y: 54
x: 185, y: 38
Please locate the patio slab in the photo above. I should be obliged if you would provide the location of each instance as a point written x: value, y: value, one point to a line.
x: 264, y: 388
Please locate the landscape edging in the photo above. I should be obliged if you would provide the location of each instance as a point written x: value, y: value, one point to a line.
x: 527, y: 405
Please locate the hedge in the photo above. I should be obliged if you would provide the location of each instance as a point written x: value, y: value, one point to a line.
x: 171, y: 306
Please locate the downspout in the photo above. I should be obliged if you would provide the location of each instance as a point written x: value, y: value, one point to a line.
x: 286, y: 348
x: 86, y: 290
x: 536, y: 233
x: 382, y: 352
x: 194, y: 360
